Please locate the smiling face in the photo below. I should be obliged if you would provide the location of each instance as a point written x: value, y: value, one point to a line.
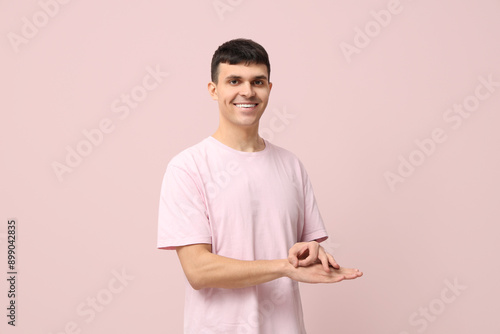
x: 242, y: 92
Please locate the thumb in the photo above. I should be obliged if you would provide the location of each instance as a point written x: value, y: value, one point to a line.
x: 293, y: 260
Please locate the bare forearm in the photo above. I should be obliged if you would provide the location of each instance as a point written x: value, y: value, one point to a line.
x: 204, y: 269
x: 221, y: 272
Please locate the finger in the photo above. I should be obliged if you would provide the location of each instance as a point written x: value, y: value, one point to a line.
x: 358, y: 272
x: 293, y: 254
x: 332, y: 262
x: 303, y: 252
x: 323, y: 257
x: 293, y: 260
x: 351, y: 273
x: 311, y: 258
x: 352, y: 276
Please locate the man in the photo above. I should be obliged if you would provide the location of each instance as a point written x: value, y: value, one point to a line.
x: 241, y: 213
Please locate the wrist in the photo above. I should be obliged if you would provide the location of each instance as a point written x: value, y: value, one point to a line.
x: 285, y: 268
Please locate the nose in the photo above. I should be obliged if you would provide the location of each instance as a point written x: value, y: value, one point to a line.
x: 247, y: 90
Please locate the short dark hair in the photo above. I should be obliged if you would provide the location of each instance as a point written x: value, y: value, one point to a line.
x: 238, y: 51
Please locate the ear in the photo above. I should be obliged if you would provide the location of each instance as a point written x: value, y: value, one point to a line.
x: 212, y: 90
x: 270, y: 86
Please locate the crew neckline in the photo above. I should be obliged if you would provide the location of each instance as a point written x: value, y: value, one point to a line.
x: 227, y: 148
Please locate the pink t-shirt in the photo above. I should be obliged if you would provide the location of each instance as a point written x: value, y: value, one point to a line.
x: 249, y: 206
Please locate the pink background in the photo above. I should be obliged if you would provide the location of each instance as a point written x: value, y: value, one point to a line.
x: 353, y: 116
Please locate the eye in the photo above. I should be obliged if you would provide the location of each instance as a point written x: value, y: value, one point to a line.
x: 258, y: 82
x: 233, y: 82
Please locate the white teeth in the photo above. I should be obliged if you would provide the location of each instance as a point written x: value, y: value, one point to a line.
x: 246, y: 105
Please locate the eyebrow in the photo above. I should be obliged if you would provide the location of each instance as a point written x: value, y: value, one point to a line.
x: 259, y: 77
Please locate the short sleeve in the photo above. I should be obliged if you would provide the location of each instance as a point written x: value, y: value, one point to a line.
x: 182, y: 216
x: 314, y: 228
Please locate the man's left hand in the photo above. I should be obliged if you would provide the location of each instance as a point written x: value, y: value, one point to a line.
x: 304, y: 254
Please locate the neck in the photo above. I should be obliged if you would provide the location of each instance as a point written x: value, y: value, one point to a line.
x: 241, y: 139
